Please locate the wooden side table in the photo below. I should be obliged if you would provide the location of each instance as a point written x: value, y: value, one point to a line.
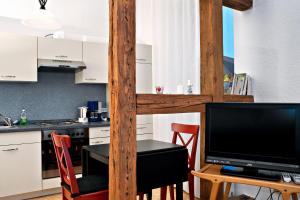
x: 212, y: 173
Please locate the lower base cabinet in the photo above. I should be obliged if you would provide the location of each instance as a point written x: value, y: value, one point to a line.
x: 20, y: 169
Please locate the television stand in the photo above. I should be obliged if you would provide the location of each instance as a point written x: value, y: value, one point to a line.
x: 249, y: 172
x: 213, y: 174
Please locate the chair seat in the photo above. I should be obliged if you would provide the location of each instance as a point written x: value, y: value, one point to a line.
x: 89, y: 184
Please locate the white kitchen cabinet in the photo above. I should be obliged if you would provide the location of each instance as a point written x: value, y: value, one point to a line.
x: 21, y: 168
x: 59, y: 49
x: 143, y: 69
x: 143, y: 78
x: 95, y: 57
x: 144, y: 53
x: 18, y: 58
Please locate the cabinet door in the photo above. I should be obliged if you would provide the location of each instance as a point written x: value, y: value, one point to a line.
x: 18, y: 58
x: 20, y: 169
x: 59, y: 49
x: 144, y: 53
x: 95, y: 57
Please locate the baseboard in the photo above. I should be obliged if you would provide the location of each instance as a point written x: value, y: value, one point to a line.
x: 32, y: 194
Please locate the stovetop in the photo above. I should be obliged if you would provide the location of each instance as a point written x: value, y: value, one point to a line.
x: 49, y: 123
x: 63, y: 127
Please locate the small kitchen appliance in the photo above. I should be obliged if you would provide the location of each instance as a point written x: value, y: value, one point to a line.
x: 93, y: 111
x: 83, y: 114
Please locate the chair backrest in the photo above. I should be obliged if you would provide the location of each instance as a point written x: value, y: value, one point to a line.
x: 192, y: 130
x: 61, y: 144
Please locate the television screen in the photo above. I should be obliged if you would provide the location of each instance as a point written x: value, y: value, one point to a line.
x: 254, y: 135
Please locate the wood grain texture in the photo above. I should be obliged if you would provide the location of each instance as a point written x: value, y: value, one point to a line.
x: 122, y: 156
x: 239, y: 98
x: 240, y: 5
x: 212, y: 173
x: 167, y: 104
x: 212, y: 70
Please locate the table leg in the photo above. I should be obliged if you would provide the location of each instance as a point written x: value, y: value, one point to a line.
x: 286, y: 196
x: 149, y: 195
x: 84, y: 162
x: 214, y: 190
x: 179, y: 191
x: 227, y: 191
x: 294, y: 196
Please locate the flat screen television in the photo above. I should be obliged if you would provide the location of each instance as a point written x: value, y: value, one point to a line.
x: 253, y: 137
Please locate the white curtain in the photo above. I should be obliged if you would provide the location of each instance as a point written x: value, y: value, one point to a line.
x: 176, y: 58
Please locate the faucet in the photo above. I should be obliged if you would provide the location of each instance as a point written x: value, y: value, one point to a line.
x: 6, y: 120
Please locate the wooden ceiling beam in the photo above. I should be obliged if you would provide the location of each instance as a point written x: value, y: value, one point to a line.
x: 170, y: 103
x: 240, y: 5
x: 122, y: 154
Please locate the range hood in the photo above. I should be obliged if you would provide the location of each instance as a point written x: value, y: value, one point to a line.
x: 47, y: 65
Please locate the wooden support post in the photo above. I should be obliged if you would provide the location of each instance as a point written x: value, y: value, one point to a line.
x: 122, y: 155
x: 211, y: 44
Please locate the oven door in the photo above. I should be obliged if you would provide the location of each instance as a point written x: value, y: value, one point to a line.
x: 49, y: 163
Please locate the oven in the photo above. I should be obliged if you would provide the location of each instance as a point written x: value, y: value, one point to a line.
x: 79, y: 138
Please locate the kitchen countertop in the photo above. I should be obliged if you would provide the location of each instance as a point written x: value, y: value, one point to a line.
x: 34, y: 127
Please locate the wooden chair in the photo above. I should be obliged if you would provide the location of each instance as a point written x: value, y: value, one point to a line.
x: 193, y: 131
x: 86, y: 188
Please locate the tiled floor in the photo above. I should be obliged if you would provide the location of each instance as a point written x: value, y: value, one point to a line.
x: 156, y: 196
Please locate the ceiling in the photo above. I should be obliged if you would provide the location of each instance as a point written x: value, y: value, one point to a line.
x: 79, y: 17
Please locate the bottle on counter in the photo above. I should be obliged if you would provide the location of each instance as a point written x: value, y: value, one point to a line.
x: 23, y: 118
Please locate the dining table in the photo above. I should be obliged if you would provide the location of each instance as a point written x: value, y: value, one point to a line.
x: 158, y: 164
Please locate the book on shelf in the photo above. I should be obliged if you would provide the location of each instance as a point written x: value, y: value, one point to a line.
x: 241, y: 84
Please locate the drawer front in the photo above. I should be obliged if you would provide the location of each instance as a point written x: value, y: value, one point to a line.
x: 144, y: 128
x: 20, y: 138
x: 95, y: 141
x: 144, y: 136
x: 99, y: 132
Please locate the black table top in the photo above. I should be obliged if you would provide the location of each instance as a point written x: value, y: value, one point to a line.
x: 143, y: 147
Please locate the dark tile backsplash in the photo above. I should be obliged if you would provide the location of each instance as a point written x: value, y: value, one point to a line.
x: 54, y: 96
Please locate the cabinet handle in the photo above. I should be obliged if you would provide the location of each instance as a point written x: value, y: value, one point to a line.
x: 15, y: 149
x: 98, y: 142
x: 141, y: 59
x: 90, y: 79
x: 105, y: 130
x: 61, y: 56
x: 140, y: 128
x: 8, y: 76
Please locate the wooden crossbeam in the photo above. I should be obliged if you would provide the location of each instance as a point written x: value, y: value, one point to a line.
x: 238, y: 98
x: 167, y: 104
x: 240, y: 5
x: 122, y: 154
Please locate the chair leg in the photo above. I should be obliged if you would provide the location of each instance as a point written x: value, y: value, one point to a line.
x: 172, y: 196
x: 294, y: 196
x: 141, y: 196
x: 191, y: 187
x: 163, y: 193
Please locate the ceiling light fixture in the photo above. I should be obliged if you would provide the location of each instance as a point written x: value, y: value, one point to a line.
x: 42, y: 19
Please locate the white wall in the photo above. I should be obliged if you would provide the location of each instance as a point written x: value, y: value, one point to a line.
x: 267, y: 46
x: 89, y: 18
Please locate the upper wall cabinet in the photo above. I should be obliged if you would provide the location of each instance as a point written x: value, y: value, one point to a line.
x: 59, y: 49
x: 18, y: 58
x: 95, y: 57
x: 144, y: 54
